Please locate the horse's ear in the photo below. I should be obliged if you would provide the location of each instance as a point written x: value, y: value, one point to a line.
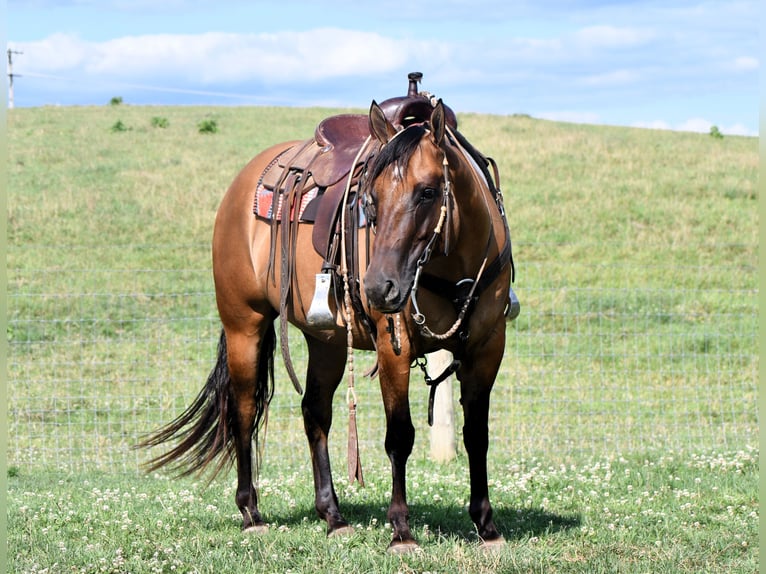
x: 380, y: 127
x: 438, y: 122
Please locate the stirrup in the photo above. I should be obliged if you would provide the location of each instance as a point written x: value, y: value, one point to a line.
x: 319, y: 314
x: 514, y: 307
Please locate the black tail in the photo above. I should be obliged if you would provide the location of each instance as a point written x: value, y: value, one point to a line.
x: 207, y: 428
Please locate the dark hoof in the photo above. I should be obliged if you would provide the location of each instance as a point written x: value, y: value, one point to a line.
x: 341, y: 532
x: 403, y: 547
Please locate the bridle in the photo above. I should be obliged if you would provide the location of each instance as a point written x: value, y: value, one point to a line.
x: 463, y: 301
x: 425, y: 257
x: 466, y: 291
x: 444, y: 215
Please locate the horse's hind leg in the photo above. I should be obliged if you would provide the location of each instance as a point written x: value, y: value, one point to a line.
x: 325, y: 371
x: 248, y: 354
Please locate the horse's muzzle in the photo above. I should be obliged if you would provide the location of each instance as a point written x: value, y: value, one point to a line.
x: 385, y: 294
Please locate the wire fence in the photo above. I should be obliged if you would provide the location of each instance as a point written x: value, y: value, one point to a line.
x: 598, y: 362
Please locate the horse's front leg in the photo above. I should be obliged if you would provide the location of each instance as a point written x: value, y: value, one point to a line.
x: 325, y: 371
x: 394, y: 374
x: 477, y: 376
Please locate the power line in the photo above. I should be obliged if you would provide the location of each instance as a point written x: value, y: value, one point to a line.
x: 11, y: 75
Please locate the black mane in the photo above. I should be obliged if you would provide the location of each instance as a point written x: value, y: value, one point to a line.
x: 399, y: 150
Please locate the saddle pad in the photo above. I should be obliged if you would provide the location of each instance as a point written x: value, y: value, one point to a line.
x: 264, y: 204
x: 265, y: 190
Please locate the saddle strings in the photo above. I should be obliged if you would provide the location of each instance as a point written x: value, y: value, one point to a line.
x: 354, y: 462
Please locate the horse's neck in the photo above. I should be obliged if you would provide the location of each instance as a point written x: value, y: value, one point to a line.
x: 477, y: 228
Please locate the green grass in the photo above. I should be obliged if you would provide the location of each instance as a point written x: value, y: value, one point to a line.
x: 675, y: 513
x: 632, y: 364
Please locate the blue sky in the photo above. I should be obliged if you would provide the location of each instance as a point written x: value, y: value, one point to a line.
x: 682, y: 65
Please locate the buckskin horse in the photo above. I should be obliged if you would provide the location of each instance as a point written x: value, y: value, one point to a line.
x: 400, y: 216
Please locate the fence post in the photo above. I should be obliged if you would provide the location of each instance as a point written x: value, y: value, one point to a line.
x: 443, y: 430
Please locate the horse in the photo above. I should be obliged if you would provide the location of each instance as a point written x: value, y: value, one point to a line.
x: 433, y: 272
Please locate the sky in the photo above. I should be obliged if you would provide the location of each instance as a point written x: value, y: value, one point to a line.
x: 672, y: 64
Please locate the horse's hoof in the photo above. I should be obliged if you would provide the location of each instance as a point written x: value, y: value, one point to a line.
x: 493, y: 545
x: 403, y: 547
x: 341, y: 532
x: 256, y: 529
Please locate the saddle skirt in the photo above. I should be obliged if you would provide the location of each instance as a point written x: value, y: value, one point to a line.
x: 322, y: 163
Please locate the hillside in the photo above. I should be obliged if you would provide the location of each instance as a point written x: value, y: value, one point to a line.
x: 601, y: 193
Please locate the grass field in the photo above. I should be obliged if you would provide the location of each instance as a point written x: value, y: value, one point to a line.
x: 668, y: 514
x: 624, y: 419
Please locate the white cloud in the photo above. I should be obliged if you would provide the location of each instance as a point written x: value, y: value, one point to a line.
x: 652, y: 125
x: 56, y: 53
x: 612, y: 36
x: 219, y: 57
x: 695, y: 125
x: 585, y: 48
x: 737, y: 130
x: 615, y: 78
x: 746, y: 63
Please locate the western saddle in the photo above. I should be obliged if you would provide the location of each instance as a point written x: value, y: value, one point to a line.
x: 321, y: 166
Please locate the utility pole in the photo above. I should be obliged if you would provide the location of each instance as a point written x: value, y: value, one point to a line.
x: 11, y: 75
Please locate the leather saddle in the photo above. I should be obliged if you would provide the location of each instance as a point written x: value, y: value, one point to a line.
x: 320, y: 167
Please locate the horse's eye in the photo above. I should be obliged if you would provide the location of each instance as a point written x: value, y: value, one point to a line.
x: 429, y: 194
x: 370, y: 209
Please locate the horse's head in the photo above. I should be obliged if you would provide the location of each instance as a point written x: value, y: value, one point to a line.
x: 406, y: 189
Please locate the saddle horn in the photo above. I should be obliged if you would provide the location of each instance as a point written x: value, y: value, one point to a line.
x: 414, y: 108
x: 415, y: 78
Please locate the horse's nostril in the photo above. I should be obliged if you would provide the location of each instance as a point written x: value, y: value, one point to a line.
x: 384, y: 295
x: 391, y: 292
